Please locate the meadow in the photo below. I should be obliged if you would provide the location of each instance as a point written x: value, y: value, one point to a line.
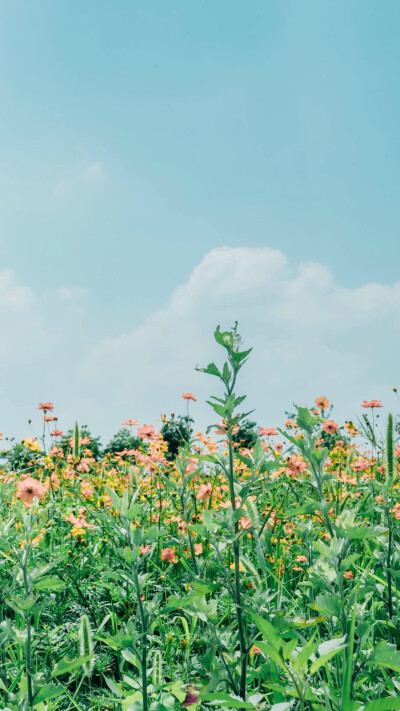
x: 241, y: 568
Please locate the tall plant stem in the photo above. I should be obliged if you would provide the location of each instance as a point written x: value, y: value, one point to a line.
x: 238, y: 600
x: 143, y: 659
x: 28, y: 621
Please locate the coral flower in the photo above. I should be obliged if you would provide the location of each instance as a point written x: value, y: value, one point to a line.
x: 46, y: 406
x: 80, y: 520
x: 130, y: 423
x: 348, y: 574
x: 144, y: 549
x: 330, y: 426
x: 189, y: 396
x: 372, y: 403
x: 322, y: 402
x: 204, y: 492
x: 296, y: 465
x: 57, y: 433
x: 169, y: 554
x: 244, y: 522
x: 267, y: 431
x: 255, y: 650
x: 198, y: 548
x: 148, y: 432
x: 30, y: 488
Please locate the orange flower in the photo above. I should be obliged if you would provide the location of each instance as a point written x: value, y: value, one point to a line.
x: 130, y: 423
x: 79, y: 521
x: 322, y: 402
x: 144, y: 549
x: 254, y: 650
x: 198, y: 548
x: 348, y: 574
x: 30, y: 488
x: 148, y: 432
x: 244, y: 522
x: 267, y: 431
x: 169, y: 554
x: 204, y: 492
x: 46, y: 406
x: 57, y: 433
x: 330, y: 426
x: 189, y: 396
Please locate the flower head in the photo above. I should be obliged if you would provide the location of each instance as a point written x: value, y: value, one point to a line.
x: 372, y: 403
x: 268, y: 431
x: 204, y: 492
x: 330, y: 426
x: 169, y: 554
x: 189, y: 396
x: 46, y: 406
x: 29, y: 489
x: 322, y: 402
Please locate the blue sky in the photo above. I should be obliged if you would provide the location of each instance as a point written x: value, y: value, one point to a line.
x: 135, y: 139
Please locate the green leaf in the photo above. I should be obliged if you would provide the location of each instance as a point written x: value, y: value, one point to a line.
x: 272, y: 654
x: 383, y: 704
x: 48, y: 691
x: 268, y: 632
x: 211, y: 369
x: 226, y: 701
x: 65, y: 666
x: 386, y: 655
x: 305, y: 420
x: 49, y: 583
x: 304, y: 655
x: 328, y: 604
x: 326, y: 651
x: 361, y: 532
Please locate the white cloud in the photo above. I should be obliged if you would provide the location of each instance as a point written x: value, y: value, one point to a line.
x: 311, y: 336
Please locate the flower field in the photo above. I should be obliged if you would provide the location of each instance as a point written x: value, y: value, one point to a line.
x: 239, y: 568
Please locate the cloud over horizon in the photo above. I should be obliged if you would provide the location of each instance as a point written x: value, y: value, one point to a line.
x: 311, y: 336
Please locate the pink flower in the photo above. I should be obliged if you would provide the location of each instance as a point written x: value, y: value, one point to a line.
x: 198, y: 548
x: 46, y: 406
x: 30, y: 488
x: 169, y: 554
x: 267, y: 431
x: 148, y: 432
x: 244, y: 522
x: 80, y: 520
x: 144, y: 549
x: 57, y: 433
x: 330, y: 426
x: 296, y: 465
x: 322, y: 402
x: 130, y: 423
x: 87, y: 490
x: 189, y: 396
x: 204, y: 492
x: 372, y: 403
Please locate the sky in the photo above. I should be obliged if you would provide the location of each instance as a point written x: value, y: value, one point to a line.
x: 168, y: 166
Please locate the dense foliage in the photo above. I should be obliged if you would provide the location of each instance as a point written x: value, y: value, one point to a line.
x: 250, y: 570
